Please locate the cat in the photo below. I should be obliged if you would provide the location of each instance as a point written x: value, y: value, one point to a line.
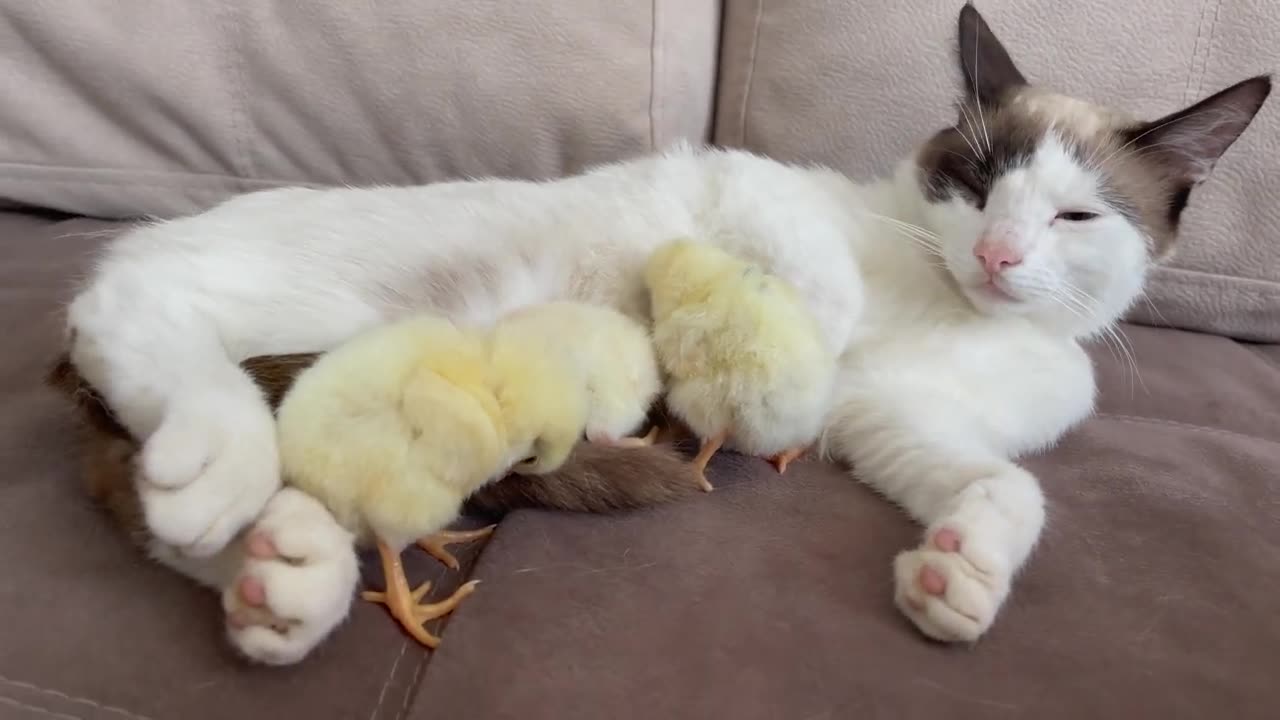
x: 957, y: 288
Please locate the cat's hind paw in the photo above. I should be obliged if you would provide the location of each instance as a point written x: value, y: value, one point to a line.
x: 296, y: 584
x: 208, y: 471
x: 950, y: 591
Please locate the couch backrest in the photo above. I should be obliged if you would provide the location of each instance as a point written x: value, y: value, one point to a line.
x: 140, y: 107
x: 137, y: 107
x: 856, y: 84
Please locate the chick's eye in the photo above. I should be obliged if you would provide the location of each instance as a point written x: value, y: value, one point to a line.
x: 1076, y: 215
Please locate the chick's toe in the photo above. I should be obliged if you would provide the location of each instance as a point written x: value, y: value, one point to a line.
x: 436, y: 544
x: 784, y: 458
x: 405, y: 605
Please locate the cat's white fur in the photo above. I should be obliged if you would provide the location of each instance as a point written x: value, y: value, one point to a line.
x: 941, y: 384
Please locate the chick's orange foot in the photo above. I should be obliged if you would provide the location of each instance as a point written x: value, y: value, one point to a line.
x: 784, y: 458
x: 405, y: 605
x: 710, y: 446
x: 436, y: 544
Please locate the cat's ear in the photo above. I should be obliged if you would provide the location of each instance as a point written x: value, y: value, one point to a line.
x: 1188, y: 143
x: 988, y: 70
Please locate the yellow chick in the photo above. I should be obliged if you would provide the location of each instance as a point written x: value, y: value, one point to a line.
x: 614, y: 355
x: 392, y: 431
x: 746, y: 361
x: 541, y: 391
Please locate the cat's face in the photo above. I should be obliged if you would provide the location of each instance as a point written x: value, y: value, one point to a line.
x: 1051, y: 207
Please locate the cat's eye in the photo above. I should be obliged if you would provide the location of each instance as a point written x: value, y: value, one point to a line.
x: 974, y: 187
x: 1076, y: 215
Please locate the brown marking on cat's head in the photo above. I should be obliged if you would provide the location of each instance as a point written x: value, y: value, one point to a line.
x: 1147, y: 169
x: 1101, y: 174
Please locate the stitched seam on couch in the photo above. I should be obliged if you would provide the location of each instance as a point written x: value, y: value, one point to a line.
x: 6, y: 700
x: 121, y: 177
x: 1258, y: 287
x: 1136, y: 419
x: 751, y: 71
x: 66, y: 697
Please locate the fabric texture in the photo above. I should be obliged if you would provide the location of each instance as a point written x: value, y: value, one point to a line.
x: 133, y: 107
x: 1151, y: 594
x: 855, y: 85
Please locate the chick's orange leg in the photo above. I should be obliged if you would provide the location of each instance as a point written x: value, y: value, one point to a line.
x: 436, y: 544
x: 405, y: 606
x: 710, y: 446
x: 784, y: 458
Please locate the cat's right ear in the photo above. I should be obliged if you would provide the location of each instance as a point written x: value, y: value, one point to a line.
x: 989, y: 71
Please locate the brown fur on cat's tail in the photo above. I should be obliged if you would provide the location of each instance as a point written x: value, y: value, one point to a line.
x: 596, y: 478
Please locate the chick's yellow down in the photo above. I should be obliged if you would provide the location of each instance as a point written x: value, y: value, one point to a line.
x: 745, y: 357
x: 392, y: 431
x: 541, y: 393
x: 612, y: 354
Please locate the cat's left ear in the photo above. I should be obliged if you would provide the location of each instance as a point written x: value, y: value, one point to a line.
x: 989, y: 71
x: 1188, y: 143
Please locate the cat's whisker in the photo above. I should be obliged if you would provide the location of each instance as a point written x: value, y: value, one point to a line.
x: 977, y: 96
x: 1154, y: 310
x: 1112, y: 336
x: 1125, y: 347
x: 923, y: 233
x: 968, y: 161
x: 967, y: 141
x: 973, y: 130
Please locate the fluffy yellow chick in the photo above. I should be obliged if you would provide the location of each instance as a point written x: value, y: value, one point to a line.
x: 541, y: 392
x: 392, y: 431
x: 746, y: 361
x: 614, y: 355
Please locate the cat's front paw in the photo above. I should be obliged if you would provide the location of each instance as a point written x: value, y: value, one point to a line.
x: 208, y: 471
x: 951, y: 589
x: 297, y: 582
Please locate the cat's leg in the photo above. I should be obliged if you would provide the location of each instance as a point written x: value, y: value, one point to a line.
x: 982, y: 513
x: 294, y: 583
x: 209, y: 462
x: 158, y: 332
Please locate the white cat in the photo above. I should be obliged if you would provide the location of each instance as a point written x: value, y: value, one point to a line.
x: 958, y: 289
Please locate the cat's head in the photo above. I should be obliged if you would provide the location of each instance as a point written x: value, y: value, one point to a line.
x: 1053, y: 207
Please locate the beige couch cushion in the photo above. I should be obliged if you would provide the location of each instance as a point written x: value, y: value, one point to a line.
x: 856, y: 84
x: 134, y: 107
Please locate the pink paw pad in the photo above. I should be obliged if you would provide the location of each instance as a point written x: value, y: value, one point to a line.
x: 932, y: 581
x: 261, y: 545
x: 252, y: 591
x: 239, y: 620
x: 947, y: 540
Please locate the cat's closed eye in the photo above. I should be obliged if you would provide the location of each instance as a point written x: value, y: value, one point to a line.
x: 973, y: 185
x: 1076, y: 215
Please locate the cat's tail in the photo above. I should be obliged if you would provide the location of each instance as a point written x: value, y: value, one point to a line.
x: 596, y: 478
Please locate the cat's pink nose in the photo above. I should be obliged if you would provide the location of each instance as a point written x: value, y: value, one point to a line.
x: 996, y: 255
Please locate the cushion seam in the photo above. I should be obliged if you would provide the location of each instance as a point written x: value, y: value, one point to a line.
x: 415, y: 683
x: 68, y: 697
x: 750, y: 78
x: 1255, y: 286
x: 1184, y: 426
x: 391, y: 673
x: 5, y: 699
x: 164, y: 178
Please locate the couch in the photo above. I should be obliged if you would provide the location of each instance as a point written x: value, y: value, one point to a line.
x: 1152, y: 594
